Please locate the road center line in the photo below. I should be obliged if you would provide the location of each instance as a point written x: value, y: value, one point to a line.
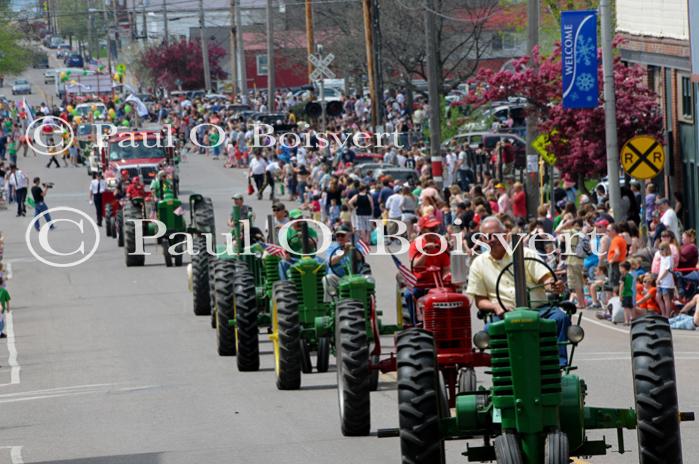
x: 12, y: 350
x: 15, y: 454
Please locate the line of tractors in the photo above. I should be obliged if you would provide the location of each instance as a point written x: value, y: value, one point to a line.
x: 534, y: 412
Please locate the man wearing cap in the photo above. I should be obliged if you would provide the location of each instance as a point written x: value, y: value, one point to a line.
x: 280, y: 217
x: 339, y: 260
x: 668, y: 218
x: 430, y: 243
x: 245, y: 210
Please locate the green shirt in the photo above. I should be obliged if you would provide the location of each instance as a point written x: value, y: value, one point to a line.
x: 628, y: 286
x: 4, y: 299
x: 295, y: 240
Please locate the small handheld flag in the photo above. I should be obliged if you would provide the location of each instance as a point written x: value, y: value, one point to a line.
x: 362, y: 248
x: 408, y: 276
x: 275, y: 250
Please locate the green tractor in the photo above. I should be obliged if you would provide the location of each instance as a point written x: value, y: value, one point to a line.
x: 165, y: 212
x: 243, y: 284
x: 534, y: 413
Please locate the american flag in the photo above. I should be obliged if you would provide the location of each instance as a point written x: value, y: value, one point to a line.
x: 275, y: 250
x: 362, y: 247
x: 409, y: 278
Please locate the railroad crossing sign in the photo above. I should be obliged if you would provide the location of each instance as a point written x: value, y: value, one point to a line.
x: 321, y: 64
x: 643, y: 157
x: 541, y: 144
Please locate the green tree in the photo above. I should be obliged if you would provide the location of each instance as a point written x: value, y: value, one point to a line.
x: 14, y: 58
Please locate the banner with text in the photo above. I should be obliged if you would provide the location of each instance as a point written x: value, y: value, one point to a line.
x: 579, y: 59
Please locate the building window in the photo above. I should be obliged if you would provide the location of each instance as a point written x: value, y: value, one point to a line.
x: 686, y: 100
x: 503, y: 41
x: 261, y: 65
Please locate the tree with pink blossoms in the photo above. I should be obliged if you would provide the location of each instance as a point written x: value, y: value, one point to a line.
x: 167, y: 63
x: 578, y: 139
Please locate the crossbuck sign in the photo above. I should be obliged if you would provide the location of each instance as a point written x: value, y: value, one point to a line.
x: 321, y: 64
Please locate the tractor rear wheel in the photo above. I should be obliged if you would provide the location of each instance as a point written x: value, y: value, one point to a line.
x: 323, y: 355
x: 204, y: 216
x: 557, y: 448
x: 212, y: 289
x: 374, y: 374
x: 119, y: 226
x: 131, y: 212
x: 165, y: 243
x: 353, y: 376
x: 224, y: 273
x: 287, y: 349
x: 418, y: 398
x: 200, y: 278
x: 247, y: 334
x: 655, y: 391
x: 467, y: 380
x: 507, y: 449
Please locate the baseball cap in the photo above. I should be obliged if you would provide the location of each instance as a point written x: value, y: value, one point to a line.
x: 500, y: 186
x: 344, y: 229
x: 428, y: 222
x: 237, y: 196
x: 278, y: 207
x: 296, y: 214
x: 602, y: 223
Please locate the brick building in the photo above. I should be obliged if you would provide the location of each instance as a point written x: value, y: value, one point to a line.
x: 656, y: 34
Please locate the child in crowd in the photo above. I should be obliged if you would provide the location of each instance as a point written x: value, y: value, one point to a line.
x: 345, y: 215
x: 5, y: 307
x: 646, y: 301
x: 334, y: 212
x: 666, y: 281
x: 626, y: 290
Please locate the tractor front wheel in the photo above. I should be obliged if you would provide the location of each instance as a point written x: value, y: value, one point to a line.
x: 323, y: 356
x: 418, y: 398
x: 224, y: 272
x: 507, y: 449
x: 467, y: 380
x: 131, y: 212
x: 200, y: 278
x: 557, y: 448
x: 108, y: 221
x: 119, y: 226
x: 655, y: 391
x: 353, y: 377
x: 247, y: 334
x: 287, y: 349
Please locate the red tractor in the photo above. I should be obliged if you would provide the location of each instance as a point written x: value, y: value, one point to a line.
x: 446, y: 312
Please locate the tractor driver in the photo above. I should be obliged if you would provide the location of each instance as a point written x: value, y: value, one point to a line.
x: 135, y: 189
x: 294, y: 239
x: 430, y: 244
x: 161, y: 185
x: 245, y: 210
x: 483, y: 275
x: 338, y: 261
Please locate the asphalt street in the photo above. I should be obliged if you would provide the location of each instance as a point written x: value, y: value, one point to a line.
x: 108, y: 365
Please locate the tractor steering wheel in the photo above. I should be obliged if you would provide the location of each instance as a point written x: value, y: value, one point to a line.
x: 357, y: 255
x: 508, y: 268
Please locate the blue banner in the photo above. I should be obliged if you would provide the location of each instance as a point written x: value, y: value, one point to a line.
x: 579, y: 59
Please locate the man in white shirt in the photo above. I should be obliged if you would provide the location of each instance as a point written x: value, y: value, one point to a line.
x: 97, y: 187
x: 394, y: 208
x: 271, y: 172
x: 258, y: 167
x: 19, y: 182
x: 668, y: 216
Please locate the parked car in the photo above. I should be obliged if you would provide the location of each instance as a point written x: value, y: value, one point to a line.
x: 21, y: 87
x: 75, y: 61
x: 50, y: 76
x: 40, y: 59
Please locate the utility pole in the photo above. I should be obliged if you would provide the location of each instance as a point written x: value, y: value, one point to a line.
x: 204, y: 47
x: 378, y: 62
x: 243, y: 87
x: 271, y: 101
x: 310, y: 42
x: 117, y: 42
x: 610, y: 131
x: 145, y: 24
x: 532, y: 180
x: 166, y: 33
x: 433, y: 89
x: 233, y: 45
x: 371, y: 71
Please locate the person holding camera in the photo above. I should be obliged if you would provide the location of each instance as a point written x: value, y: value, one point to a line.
x: 39, y: 191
